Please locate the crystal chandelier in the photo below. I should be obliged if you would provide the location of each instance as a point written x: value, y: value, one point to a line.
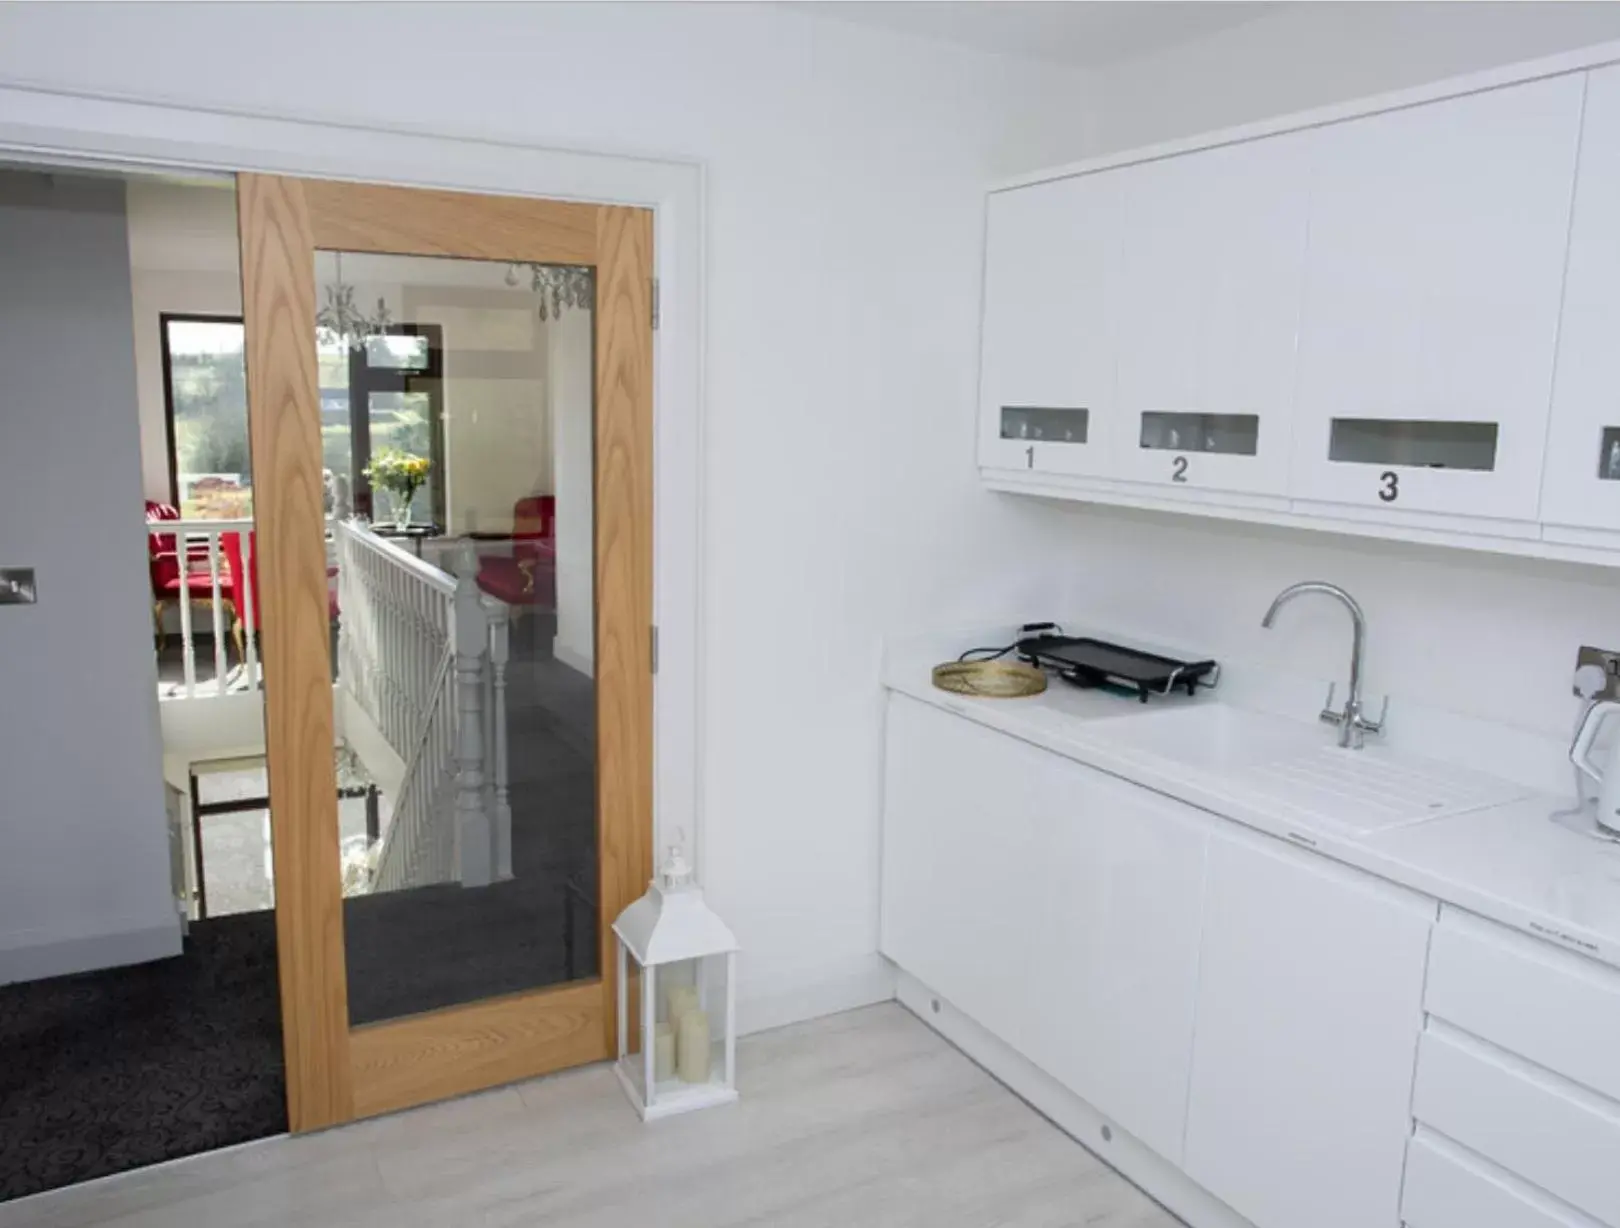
x: 558, y: 285
x: 340, y: 321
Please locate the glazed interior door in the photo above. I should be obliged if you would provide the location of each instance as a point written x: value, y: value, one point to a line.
x: 477, y: 651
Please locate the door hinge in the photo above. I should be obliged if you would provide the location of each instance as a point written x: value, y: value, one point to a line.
x: 655, y: 312
x: 652, y: 641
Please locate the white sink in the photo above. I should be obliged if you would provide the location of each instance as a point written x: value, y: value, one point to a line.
x: 1296, y: 772
x: 1210, y: 736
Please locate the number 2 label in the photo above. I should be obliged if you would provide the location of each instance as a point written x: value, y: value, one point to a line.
x: 1178, y: 469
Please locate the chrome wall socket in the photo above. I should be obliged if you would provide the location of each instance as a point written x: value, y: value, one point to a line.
x: 1606, y: 660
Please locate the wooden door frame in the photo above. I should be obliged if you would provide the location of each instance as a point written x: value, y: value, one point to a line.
x: 78, y: 128
x: 336, y: 1071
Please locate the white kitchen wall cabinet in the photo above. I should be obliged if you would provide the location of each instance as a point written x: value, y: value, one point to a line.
x: 1433, y: 283
x: 1309, y: 1011
x: 1047, y: 383
x: 1211, y: 280
x: 1056, y: 906
x: 1581, y: 486
x: 1390, y: 318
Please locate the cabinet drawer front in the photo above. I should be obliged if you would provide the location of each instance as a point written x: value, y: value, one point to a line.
x: 1447, y: 1188
x: 1555, y: 1135
x: 1553, y: 1007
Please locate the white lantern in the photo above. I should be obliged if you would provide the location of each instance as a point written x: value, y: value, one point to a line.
x: 687, y: 957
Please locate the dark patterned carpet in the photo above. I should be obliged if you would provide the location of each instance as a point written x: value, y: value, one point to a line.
x: 111, y: 1070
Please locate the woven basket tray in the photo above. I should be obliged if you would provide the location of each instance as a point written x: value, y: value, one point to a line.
x: 990, y: 679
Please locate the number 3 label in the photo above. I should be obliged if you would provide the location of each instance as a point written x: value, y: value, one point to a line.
x: 1390, y: 490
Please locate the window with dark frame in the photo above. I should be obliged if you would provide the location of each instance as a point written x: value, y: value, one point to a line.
x: 396, y: 400
x: 205, y: 404
x: 388, y: 392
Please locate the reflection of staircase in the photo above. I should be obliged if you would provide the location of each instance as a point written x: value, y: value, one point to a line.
x: 422, y: 680
x: 419, y: 847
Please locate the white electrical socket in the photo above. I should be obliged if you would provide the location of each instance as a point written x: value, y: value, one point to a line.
x: 1606, y: 660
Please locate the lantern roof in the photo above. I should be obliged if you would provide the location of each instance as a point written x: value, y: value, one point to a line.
x: 672, y: 921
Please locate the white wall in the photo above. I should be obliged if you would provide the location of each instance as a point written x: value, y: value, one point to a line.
x: 497, y: 430
x: 1314, y: 54
x: 844, y: 187
x: 1475, y: 634
x: 84, y: 854
x: 568, y: 392
x: 183, y: 258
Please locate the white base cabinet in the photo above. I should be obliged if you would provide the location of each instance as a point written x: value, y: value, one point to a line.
x: 1054, y: 905
x: 1310, y: 1004
x: 1252, y: 1030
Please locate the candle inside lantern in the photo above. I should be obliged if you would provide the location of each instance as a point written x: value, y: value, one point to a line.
x: 680, y: 1000
x: 664, y: 1052
x: 692, y: 1047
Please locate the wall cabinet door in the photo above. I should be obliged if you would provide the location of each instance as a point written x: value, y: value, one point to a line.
x: 1581, y: 486
x: 1212, y: 277
x: 1309, y: 1010
x: 1047, y: 377
x: 1433, y: 282
x: 1054, y: 905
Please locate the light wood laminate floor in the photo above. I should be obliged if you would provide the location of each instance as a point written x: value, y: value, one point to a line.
x: 859, y: 1119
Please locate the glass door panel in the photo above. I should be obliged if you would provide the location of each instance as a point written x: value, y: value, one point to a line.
x: 465, y: 663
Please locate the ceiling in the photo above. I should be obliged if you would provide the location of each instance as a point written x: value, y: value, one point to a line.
x: 1082, y: 33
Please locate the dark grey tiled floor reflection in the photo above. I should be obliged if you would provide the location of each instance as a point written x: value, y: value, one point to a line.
x: 429, y: 947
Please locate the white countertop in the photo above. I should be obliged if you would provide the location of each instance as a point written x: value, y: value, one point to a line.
x: 1505, y: 859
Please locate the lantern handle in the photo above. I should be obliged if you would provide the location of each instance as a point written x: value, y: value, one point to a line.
x: 676, y: 871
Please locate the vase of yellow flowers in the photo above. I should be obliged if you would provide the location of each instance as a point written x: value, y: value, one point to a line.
x: 401, y: 474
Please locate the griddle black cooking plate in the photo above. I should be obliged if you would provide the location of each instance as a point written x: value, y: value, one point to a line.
x: 1093, y: 663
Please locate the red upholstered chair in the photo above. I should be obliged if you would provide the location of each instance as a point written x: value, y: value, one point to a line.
x: 230, y: 545
x: 528, y: 576
x: 163, y: 562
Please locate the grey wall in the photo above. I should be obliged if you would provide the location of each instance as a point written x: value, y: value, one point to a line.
x: 84, y: 861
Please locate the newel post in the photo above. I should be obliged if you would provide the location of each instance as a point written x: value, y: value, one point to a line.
x: 475, y: 845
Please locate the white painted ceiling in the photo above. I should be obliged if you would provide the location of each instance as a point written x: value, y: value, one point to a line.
x: 1082, y: 33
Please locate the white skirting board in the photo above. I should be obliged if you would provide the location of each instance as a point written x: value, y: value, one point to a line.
x: 1144, y: 1168
x: 775, y: 995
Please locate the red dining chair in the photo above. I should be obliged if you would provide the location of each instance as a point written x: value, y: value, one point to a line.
x: 527, y: 576
x: 168, y: 577
x: 230, y: 545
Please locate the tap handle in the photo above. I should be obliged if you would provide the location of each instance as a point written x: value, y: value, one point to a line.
x: 1337, y: 716
x: 1378, y: 725
x: 1330, y: 714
